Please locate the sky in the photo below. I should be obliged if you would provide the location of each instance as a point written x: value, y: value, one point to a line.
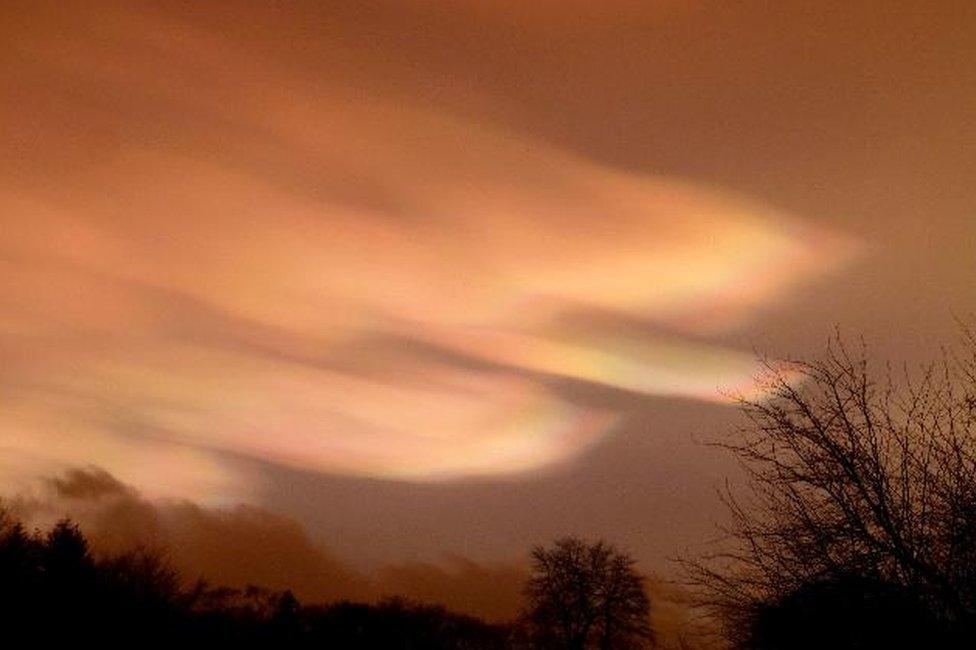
x: 427, y: 283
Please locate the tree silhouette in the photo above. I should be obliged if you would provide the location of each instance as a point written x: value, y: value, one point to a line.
x: 586, y: 596
x: 853, y: 479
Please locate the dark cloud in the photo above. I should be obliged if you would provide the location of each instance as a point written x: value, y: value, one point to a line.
x: 91, y: 483
x: 493, y: 591
x: 244, y: 545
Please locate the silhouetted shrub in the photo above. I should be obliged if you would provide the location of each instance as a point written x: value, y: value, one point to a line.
x: 850, y: 612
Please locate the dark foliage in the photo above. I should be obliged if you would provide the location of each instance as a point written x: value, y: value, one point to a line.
x: 852, y: 612
x: 53, y: 590
x: 397, y: 624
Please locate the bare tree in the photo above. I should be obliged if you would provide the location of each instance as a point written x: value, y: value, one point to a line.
x: 586, y: 596
x: 852, y: 473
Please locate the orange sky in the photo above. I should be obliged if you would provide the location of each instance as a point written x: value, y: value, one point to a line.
x: 453, y: 278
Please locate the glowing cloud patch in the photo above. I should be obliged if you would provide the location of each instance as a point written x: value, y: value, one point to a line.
x: 192, y: 286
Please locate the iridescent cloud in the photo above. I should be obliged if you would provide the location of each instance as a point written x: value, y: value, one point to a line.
x: 199, y: 277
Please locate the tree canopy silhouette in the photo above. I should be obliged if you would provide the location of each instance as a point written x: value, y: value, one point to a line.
x: 583, y: 596
x: 855, y: 478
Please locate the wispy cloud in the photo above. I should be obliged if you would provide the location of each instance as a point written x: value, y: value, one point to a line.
x: 192, y: 235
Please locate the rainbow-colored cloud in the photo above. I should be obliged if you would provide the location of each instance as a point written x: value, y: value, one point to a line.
x: 241, y: 259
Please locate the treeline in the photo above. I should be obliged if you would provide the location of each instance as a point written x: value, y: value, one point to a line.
x: 53, y: 589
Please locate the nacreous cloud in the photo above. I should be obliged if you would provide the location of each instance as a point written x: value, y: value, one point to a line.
x: 204, y: 253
